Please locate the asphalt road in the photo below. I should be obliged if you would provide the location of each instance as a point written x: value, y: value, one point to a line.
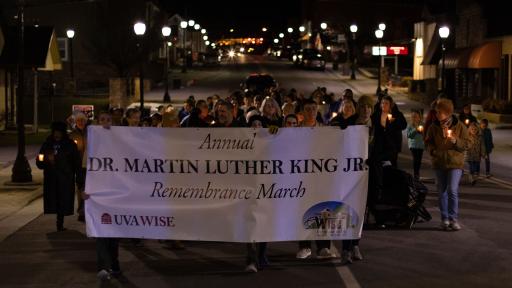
x: 477, y: 256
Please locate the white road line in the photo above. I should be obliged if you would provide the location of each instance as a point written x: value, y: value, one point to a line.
x: 346, y: 275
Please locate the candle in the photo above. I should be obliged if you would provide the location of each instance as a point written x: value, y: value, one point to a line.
x: 466, y: 121
x: 420, y: 128
x: 213, y: 122
x: 390, y: 116
x: 449, y: 133
x: 76, y: 141
x: 40, y: 157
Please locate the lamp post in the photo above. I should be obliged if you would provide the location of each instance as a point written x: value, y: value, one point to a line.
x: 166, y: 32
x: 140, y: 28
x: 353, y: 29
x: 70, y: 33
x: 21, y: 171
x: 184, y: 25
x: 379, y: 34
x: 444, y: 32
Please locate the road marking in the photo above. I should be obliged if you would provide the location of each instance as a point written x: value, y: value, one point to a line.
x: 346, y: 275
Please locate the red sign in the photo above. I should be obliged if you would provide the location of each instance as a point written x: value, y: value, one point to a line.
x: 398, y: 50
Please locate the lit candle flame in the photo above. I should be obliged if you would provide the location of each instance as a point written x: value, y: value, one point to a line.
x: 420, y: 128
x: 466, y: 121
x: 76, y: 141
x: 390, y: 116
x: 334, y: 114
x: 323, y: 102
x: 449, y: 133
x: 40, y: 157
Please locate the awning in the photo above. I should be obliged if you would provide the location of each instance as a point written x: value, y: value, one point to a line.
x: 433, y: 52
x: 485, y: 56
x: 456, y: 59
x: 41, y: 49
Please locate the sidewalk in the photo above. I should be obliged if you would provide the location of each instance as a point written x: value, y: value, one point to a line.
x: 19, y: 204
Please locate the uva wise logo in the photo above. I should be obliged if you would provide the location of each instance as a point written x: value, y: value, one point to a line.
x: 106, y: 218
x: 138, y: 220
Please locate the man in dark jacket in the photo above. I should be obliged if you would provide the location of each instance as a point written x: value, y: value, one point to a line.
x: 60, y: 160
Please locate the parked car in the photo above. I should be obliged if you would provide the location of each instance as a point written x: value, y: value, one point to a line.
x: 309, y: 59
x: 211, y: 59
x: 258, y: 83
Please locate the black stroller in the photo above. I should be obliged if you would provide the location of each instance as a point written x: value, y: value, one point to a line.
x: 400, y: 200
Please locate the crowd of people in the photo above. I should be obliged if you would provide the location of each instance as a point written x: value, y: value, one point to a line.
x: 449, y: 140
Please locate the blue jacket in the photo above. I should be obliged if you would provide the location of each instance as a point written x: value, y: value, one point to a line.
x: 487, y: 140
x: 415, y: 138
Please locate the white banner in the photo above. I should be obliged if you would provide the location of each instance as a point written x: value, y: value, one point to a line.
x: 226, y: 184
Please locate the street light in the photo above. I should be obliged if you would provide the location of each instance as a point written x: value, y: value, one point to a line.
x: 290, y: 30
x: 203, y: 31
x: 281, y: 35
x: 276, y: 40
x: 166, y: 32
x: 323, y: 25
x: 205, y: 37
x: 71, y: 33
x: 197, y: 27
x: 140, y: 28
x: 207, y: 43
x: 264, y: 29
x: 444, y: 32
x: 191, y: 23
x: 353, y: 29
x: 382, y: 26
x: 379, y: 34
x: 302, y: 28
x: 184, y: 25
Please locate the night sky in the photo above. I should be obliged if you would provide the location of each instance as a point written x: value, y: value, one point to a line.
x: 246, y: 17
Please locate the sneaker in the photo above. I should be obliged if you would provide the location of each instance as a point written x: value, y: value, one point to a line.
x: 304, y: 253
x: 251, y: 268
x: 346, y: 257
x: 324, y: 253
x: 103, y: 275
x: 445, y: 225
x: 356, y: 253
x: 116, y: 273
x: 455, y: 225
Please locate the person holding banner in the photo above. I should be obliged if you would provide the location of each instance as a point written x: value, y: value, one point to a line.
x: 60, y: 160
x: 79, y: 136
x: 107, y: 249
x: 322, y: 246
x: 350, y: 248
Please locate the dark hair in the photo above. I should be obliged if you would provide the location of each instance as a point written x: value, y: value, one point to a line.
x: 309, y: 101
x: 59, y: 126
x: 256, y: 117
x: 131, y: 111
x: 290, y: 116
x: 485, y: 121
x: 390, y: 99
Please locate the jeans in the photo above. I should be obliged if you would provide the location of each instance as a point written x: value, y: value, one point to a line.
x: 256, y: 254
x: 487, y: 164
x: 474, y: 167
x: 448, y: 192
x: 417, y: 154
x: 348, y: 245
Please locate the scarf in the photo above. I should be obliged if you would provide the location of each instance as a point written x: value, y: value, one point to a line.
x: 446, y: 123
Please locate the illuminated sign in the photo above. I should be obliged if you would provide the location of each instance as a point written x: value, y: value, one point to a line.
x: 383, y: 51
x: 397, y: 50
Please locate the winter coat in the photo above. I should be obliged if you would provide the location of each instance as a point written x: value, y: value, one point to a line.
x: 415, y: 138
x: 475, y: 149
x: 387, y: 140
x: 487, y: 141
x: 445, y: 154
x: 60, y: 176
